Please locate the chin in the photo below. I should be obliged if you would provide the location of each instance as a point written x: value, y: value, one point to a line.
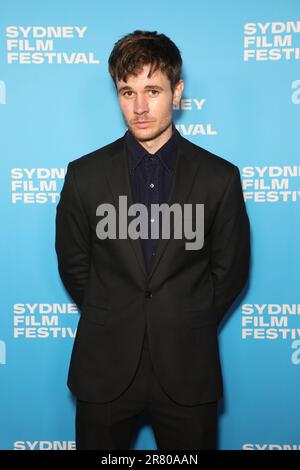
x: 143, y: 134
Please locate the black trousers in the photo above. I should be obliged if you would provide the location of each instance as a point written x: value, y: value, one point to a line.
x: 111, y: 425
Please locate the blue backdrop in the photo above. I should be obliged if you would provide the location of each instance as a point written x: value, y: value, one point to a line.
x: 57, y: 102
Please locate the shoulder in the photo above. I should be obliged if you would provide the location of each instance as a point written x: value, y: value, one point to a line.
x: 213, y: 166
x: 92, y: 160
x: 207, y: 157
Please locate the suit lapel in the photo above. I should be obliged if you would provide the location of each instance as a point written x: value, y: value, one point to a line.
x: 184, y: 174
x: 118, y: 176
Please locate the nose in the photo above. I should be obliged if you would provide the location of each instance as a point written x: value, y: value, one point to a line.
x: 140, y: 104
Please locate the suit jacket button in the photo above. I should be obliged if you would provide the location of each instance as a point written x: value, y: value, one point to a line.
x: 148, y: 294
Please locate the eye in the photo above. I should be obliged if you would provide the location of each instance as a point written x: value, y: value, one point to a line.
x: 154, y: 92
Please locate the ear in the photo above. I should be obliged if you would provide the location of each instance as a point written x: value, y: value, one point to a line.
x: 178, y: 92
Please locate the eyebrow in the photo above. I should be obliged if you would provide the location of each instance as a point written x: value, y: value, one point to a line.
x: 147, y: 87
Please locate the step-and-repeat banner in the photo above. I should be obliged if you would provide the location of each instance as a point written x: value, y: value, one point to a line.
x: 57, y: 103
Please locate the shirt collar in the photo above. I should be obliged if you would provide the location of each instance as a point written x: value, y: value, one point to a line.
x: 166, y: 153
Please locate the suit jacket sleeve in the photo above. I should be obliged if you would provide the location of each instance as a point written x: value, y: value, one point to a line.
x: 230, y: 247
x: 72, y: 240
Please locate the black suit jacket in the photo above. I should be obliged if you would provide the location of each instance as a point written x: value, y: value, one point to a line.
x: 182, y: 300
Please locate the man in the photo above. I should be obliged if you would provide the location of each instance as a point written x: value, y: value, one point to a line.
x: 147, y: 338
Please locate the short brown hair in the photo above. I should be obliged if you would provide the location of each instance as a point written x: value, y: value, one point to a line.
x: 140, y: 48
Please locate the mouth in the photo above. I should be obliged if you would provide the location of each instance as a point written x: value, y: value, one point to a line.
x: 142, y: 124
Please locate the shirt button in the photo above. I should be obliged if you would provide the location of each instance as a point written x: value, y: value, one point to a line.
x: 153, y: 253
x: 148, y: 294
x: 151, y: 185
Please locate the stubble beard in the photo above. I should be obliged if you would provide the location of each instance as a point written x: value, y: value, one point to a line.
x: 148, y: 134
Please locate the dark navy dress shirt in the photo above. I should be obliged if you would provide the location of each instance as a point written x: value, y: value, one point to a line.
x: 151, y: 178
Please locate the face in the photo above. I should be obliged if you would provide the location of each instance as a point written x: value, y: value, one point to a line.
x: 147, y: 104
